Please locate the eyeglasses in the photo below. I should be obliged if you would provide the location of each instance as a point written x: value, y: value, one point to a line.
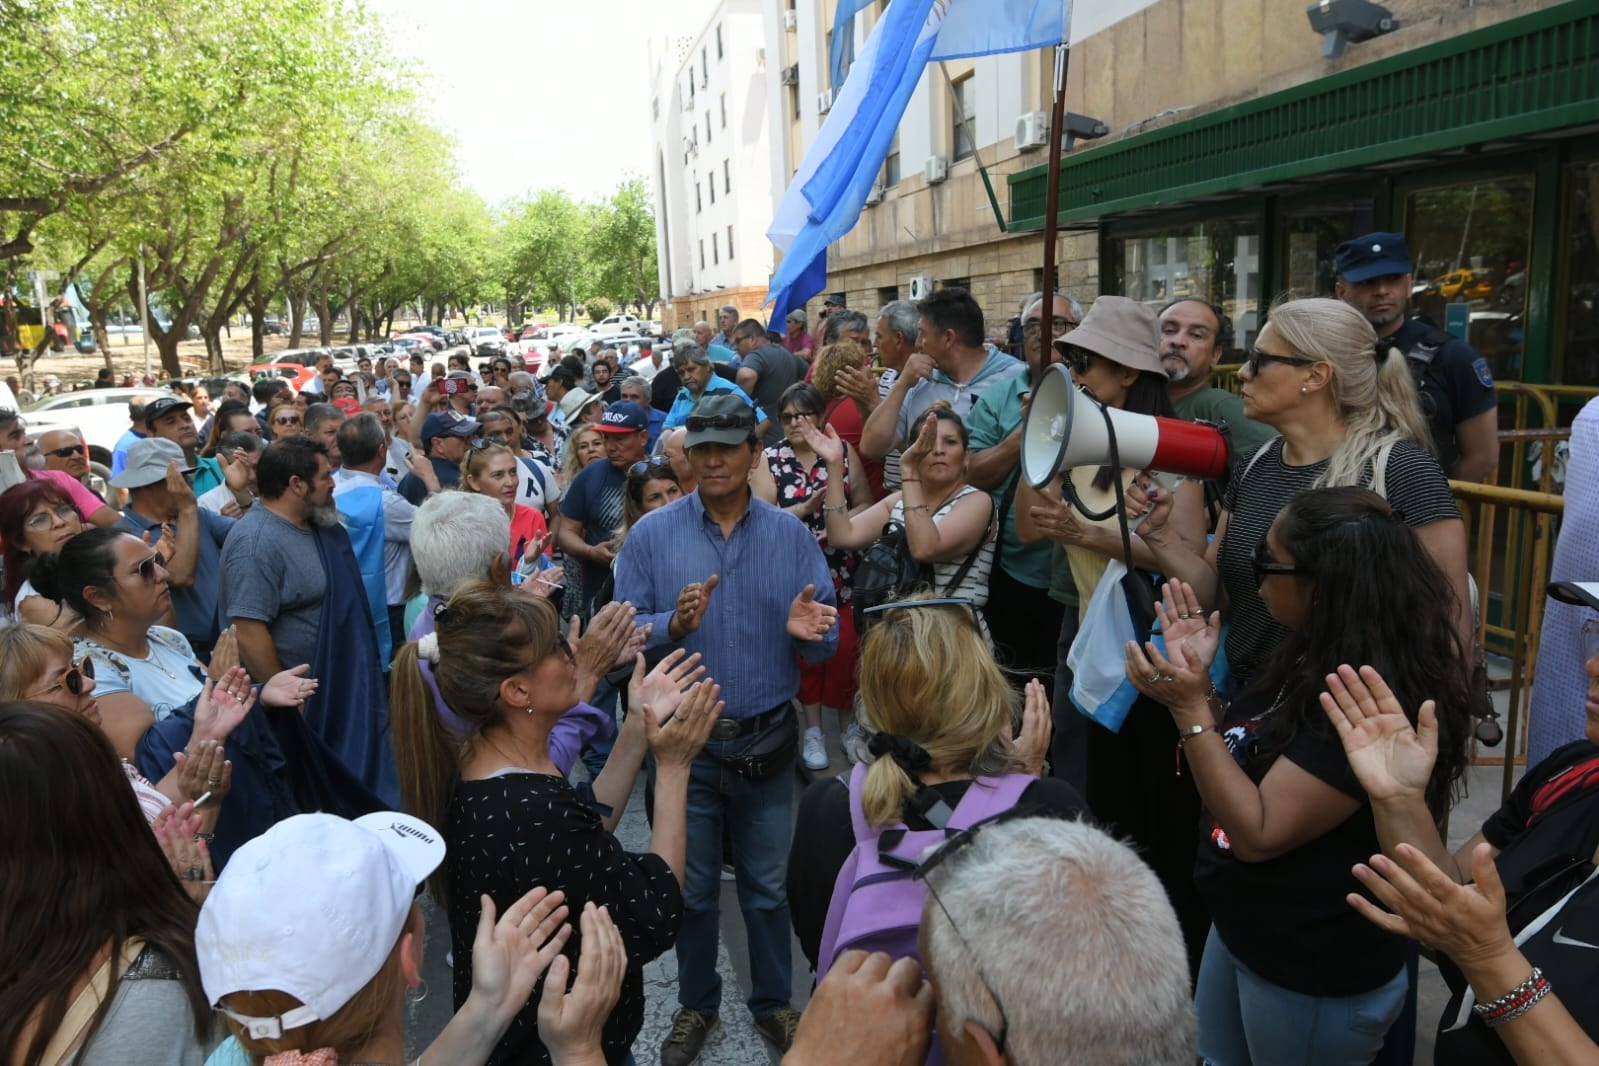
x: 147, y: 568
x: 1258, y: 359
x: 790, y: 417
x: 1035, y: 326
x: 699, y: 423
x: 500, y: 437
x: 480, y: 443
x: 644, y: 466
x: 286, y: 422
x: 40, y: 521
x: 1265, y: 566
x: 72, y: 677
x: 68, y: 452
x: 1077, y: 360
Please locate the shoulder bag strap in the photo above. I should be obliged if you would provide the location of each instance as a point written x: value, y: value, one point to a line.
x: 75, y: 1022
x: 1379, y: 470
x: 971, y: 558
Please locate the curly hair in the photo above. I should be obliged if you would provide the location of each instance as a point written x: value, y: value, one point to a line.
x: 830, y: 361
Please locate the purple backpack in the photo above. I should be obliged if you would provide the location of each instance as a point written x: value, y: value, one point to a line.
x: 876, y: 904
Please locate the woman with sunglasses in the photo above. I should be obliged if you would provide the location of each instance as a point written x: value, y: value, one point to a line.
x: 36, y: 519
x: 794, y: 477
x: 1290, y: 974
x: 285, y: 417
x: 491, y: 469
x: 511, y: 819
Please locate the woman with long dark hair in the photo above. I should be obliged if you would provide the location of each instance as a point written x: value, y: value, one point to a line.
x: 94, y: 914
x: 1290, y: 973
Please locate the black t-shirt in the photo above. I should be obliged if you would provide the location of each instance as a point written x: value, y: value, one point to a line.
x: 824, y: 838
x: 1414, y: 482
x: 1453, y: 382
x: 663, y: 388
x: 1286, y: 918
x: 511, y: 833
x: 1547, y: 833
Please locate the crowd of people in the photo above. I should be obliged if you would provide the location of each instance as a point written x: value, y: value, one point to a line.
x: 427, y: 627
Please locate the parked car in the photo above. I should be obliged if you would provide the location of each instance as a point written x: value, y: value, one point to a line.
x: 565, y: 334
x: 271, y: 326
x: 100, y: 415
x: 434, y: 343
x: 621, y: 323
x: 296, y: 374
x: 486, y: 340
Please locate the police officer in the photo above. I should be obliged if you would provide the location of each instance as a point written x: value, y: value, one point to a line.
x: 1453, y: 382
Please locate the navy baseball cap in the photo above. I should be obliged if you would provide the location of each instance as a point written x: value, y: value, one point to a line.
x: 447, y: 424
x: 158, y: 407
x: 623, y: 416
x: 1375, y: 255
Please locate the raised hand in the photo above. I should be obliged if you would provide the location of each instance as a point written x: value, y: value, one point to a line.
x: 1038, y: 726
x: 224, y: 654
x: 1390, y: 759
x: 677, y: 738
x: 826, y: 445
x: 859, y: 384
x: 1465, y: 922
x: 181, y: 491
x: 808, y: 617
x: 289, y: 688
x: 910, y: 460
x: 175, y: 828
x: 609, y: 631
x: 207, y: 769
x: 692, y: 603
x: 509, y: 955
x: 1184, y: 624
x: 222, y: 705
x: 570, y: 1021
x: 1180, y: 681
x: 1154, y: 504
x: 235, y: 472
x: 664, y: 687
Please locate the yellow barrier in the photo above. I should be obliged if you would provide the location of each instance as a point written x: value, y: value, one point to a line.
x: 1515, y: 574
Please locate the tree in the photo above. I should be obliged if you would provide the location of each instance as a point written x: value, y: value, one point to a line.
x: 546, y: 251
x: 597, y: 308
x: 623, y: 246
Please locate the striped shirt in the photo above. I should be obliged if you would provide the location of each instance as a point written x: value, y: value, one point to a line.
x: 974, y: 586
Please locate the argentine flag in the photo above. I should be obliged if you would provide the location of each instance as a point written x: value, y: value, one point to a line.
x: 825, y: 199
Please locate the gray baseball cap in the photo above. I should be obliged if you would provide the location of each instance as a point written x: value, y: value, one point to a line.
x: 148, y: 460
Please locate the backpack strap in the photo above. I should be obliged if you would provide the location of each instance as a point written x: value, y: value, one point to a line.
x: 857, y: 811
x: 1379, y: 470
x: 988, y: 796
x: 845, y: 882
x: 538, y: 475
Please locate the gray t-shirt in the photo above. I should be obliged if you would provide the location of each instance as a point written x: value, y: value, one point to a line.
x: 271, y: 573
x: 150, y: 1022
x: 775, y: 369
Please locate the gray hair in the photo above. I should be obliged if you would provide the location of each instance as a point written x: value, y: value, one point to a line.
x: 1081, y: 946
x: 727, y: 309
x: 319, y: 413
x: 839, y: 321
x: 903, y: 318
x: 521, y: 381
x: 690, y: 353
x: 455, y: 538
x: 1037, y: 298
x: 635, y: 382
x: 242, y: 440
x: 361, y: 439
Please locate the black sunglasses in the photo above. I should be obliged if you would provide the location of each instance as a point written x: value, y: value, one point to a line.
x: 1264, y: 565
x: 73, y: 676
x: 146, y: 569
x: 644, y: 466
x: 1257, y: 359
x: 67, y: 452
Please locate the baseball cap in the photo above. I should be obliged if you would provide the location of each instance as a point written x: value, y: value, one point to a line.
x: 1375, y: 255
x: 148, y: 460
x: 1577, y: 593
x: 573, y: 402
x: 720, y: 418
x: 623, y: 416
x: 1121, y: 330
x: 312, y: 908
x: 447, y: 424
x: 160, y: 406
x: 833, y: 301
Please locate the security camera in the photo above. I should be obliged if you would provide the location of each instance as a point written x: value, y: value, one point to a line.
x: 1342, y: 21
x: 1084, y: 128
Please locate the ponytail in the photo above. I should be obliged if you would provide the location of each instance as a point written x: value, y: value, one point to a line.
x: 426, y: 754
x: 887, y: 788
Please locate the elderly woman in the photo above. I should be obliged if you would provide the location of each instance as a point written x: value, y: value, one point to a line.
x: 500, y: 664
x: 920, y: 662
x: 1287, y: 965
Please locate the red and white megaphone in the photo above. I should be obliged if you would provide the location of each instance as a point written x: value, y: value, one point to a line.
x: 1067, y: 428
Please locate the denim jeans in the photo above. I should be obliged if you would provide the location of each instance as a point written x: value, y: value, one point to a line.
x: 760, y: 815
x: 1245, y: 1019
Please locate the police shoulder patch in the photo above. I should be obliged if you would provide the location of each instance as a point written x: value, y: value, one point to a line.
x: 1484, y: 375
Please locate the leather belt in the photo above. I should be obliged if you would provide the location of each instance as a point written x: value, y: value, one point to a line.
x: 733, y: 728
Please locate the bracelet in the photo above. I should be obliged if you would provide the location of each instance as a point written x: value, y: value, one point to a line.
x: 840, y: 509
x: 1516, y: 1002
x: 1221, y: 702
x: 1184, y: 735
x: 207, y: 837
x: 913, y: 507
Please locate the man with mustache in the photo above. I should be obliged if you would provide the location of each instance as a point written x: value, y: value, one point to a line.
x: 1191, y: 344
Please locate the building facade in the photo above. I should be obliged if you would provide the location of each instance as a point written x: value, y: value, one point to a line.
x: 711, y: 171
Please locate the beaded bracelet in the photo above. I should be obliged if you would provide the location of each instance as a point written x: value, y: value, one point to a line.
x: 1516, y: 1002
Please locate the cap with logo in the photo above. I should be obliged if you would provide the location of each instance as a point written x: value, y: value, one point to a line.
x: 148, y: 461
x: 623, y: 416
x: 160, y: 406
x: 313, y: 907
x: 447, y: 424
x: 719, y: 418
x: 1375, y: 255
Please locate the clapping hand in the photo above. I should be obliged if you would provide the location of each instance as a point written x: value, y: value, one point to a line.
x: 222, y: 705
x: 206, y: 770
x: 664, y: 687
x: 1390, y: 759
x: 289, y: 688
x: 598, y: 650
x: 677, y: 738
x: 808, y: 618
x: 509, y: 955
x: 1465, y: 922
x: 692, y: 603
x: 175, y: 828
x: 571, y: 1020
x: 1180, y: 678
x: 224, y: 654
x: 1038, y: 726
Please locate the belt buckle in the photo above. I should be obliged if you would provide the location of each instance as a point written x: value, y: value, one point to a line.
x: 726, y: 729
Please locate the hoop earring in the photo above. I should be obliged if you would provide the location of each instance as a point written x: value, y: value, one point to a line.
x: 415, y: 997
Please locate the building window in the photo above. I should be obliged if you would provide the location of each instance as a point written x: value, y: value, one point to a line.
x: 718, y: 41
x: 705, y: 66
x: 716, y: 250
x: 891, y: 164
x: 710, y: 183
x: 724, y: 111
x: 1578, y: 363
x: 1217, y: 260
x: 965, y: 120
x: 956, y: 283
x: 793, y: 99
x: 727, y: 177
x: 730, y: 242
x: 697, y: 205
x: 702, y: 255
x: 655, y: 108
x: 707, y: 127
x: 886, y: 296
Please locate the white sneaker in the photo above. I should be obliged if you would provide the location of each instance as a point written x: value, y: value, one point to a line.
x: 815, y: 749
x: 854, y: 742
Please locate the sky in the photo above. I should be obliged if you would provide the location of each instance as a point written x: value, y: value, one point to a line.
x: 539, y: 93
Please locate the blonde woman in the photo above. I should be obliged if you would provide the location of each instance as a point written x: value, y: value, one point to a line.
x: 585, y: 445
x: 941, y: 714
x: 492, y: 470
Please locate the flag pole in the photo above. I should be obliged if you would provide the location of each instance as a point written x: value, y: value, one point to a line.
x: 1057, y: 124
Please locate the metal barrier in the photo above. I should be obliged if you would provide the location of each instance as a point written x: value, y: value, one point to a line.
x: 1524, y: 524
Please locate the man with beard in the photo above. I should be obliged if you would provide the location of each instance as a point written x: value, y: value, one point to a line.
x: 1192, y: 339
x: 293, y: 589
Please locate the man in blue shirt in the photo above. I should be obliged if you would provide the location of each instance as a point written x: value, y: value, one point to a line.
x: 159, y: 494
x: 119, y: 454
x: 446, y: 435
x: 744, y: 585
x: 693, y: 366
x: 591, y: 510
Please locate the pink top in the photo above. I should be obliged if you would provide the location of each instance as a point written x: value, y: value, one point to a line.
x: 798, y: 342
x: 85, y: 501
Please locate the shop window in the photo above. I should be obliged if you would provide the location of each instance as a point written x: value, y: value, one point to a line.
x: 1216, y: 260
x: 1470, y: 245
x: 1311, y: 233
x: 1578, y: 295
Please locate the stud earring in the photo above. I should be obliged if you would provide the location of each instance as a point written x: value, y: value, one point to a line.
x: 530, y: 709
x: 1302, y: 389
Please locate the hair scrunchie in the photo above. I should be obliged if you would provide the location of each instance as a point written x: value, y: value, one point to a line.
x: 911, y: 756
x: 324, y: 1056
x: 428, y: 647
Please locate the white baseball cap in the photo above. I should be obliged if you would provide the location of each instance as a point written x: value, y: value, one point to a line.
x: 312, y: 907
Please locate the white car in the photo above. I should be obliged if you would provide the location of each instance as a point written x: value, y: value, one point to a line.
x: 564, y: 334
x: 486, y: 340
x: 616, y: 324
x: 100, y: 415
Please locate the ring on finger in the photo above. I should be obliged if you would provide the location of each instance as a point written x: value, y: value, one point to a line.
x: 1153, y: 678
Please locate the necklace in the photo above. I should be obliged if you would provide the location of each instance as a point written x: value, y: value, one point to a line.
x: 148, y: 659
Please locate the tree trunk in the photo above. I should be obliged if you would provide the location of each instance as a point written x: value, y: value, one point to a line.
x: 258, y: 309
x: 296, y: 319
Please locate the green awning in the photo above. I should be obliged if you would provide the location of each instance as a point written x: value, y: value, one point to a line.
x: 1508, y: 81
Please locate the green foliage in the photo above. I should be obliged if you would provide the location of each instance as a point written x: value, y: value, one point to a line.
x: 597, y: 308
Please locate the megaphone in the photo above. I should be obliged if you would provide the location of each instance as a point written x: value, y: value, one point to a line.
x: 1067, y: 428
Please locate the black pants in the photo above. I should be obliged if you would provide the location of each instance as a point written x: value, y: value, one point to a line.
x: 1025, y: 624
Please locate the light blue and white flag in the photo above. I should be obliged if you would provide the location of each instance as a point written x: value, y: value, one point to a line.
x: 825, y: 199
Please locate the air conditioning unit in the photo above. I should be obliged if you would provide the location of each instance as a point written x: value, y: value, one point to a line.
x: 875, y: 195
x: 791, y: 20
x: 937, y: 169
x: 824, y: 101
x: 791, y: 75
x: 921, y: 286
x: 1032, y: 130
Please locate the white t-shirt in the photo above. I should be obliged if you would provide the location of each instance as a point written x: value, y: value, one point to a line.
x: 166, y: 679
x: 531, y: 493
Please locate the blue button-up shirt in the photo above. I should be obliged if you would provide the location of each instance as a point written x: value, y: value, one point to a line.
x: 684, y: 404
x: 769, y: 559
